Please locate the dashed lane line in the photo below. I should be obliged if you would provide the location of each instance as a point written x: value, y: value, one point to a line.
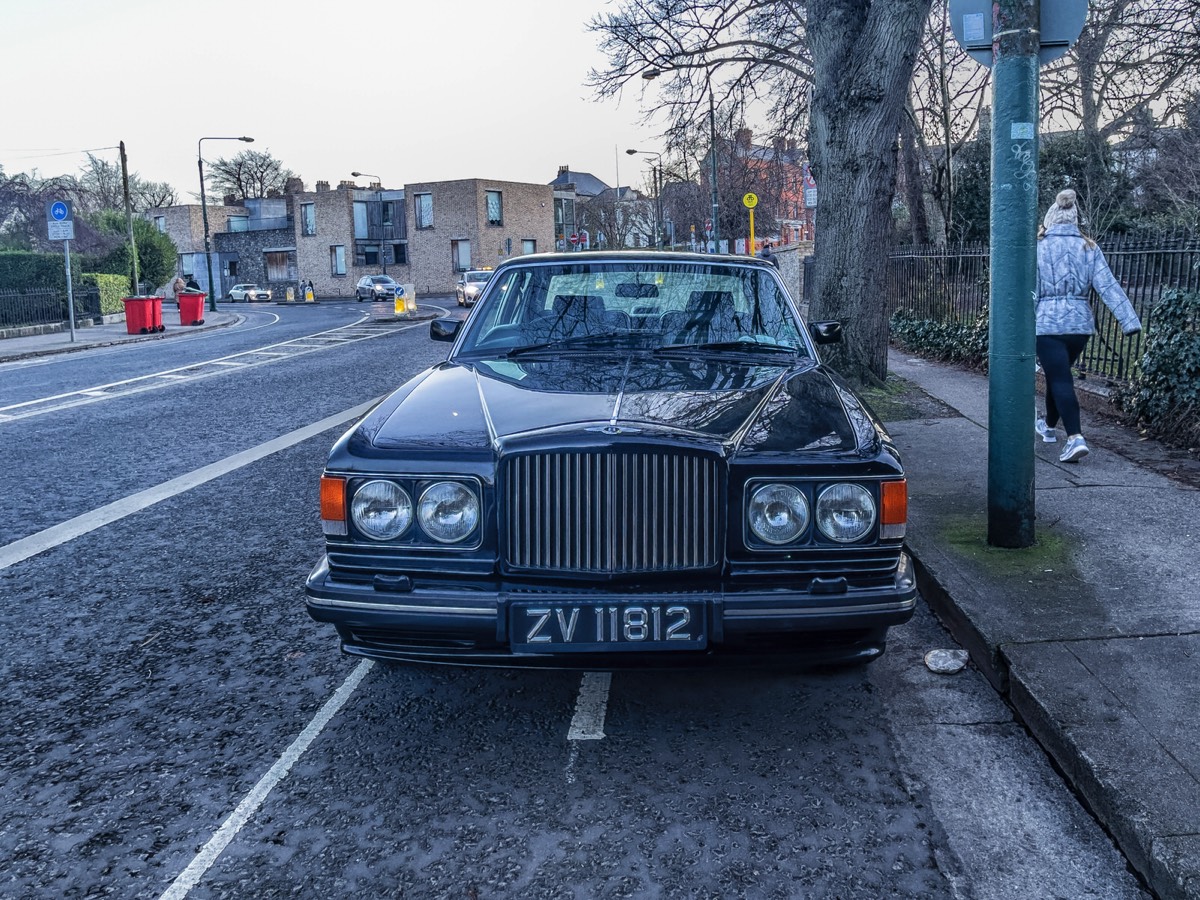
x: 51, y: 537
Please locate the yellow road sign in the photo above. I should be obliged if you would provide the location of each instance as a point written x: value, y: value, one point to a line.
x: 750, y: 201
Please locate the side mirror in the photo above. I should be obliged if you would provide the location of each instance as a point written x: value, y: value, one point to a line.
x: 444, y: 329
x: 826, y: 332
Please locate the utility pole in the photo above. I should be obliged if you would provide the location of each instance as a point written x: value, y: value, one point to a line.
x: 712, y: 132
x: 129, y: 219
x: 1016, y: 37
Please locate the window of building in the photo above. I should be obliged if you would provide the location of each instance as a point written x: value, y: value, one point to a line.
x: 424, y: 210
x: 400, y: 254
x: 360, y: 219
x: 529, y: 245
x: 337, y: 260
x: 366, y: 254
x: 308, y: 219
x: 239, y: 224
x: 495, y: 207
x: 460, y: 255
x: 387, y: 212
x: 160, y: 222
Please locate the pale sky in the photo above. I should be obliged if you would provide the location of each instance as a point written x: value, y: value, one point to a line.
x: 410, y: 91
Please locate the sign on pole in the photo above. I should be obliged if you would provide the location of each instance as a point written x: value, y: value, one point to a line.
x: 60, y: 220
x: 1060, y: 24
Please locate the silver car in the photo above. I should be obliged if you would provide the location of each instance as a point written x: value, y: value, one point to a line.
x: 470, y: 285
x: 376, y: 287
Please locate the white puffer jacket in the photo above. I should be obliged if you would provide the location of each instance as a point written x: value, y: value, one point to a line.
x: 1067, y: 269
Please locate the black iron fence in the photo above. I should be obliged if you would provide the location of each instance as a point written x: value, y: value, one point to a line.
x: 950, y: 284
x: 46, y: 307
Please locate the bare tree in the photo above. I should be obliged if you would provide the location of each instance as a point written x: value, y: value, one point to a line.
x: 950, y: 91
x: 100, y: 187
x: 618, y: 214
x: 850, y: 62
x: 252, y: 173
x: 1132, y: 55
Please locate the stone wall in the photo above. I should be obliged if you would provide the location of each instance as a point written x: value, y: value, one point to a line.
x: 252, y: 266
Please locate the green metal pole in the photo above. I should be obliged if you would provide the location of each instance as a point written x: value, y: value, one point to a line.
x: 1011, y: 355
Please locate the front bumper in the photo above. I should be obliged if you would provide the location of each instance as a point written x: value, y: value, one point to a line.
x: 762, y: 626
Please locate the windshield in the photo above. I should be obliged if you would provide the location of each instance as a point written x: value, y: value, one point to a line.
x: 478, y: 276
x: 382, y: 279
x: 679, y: 305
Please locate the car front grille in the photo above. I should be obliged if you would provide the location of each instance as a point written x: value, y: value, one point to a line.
x: 614, y: 512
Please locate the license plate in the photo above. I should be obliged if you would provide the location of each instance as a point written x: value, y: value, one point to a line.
x: 551, y: 627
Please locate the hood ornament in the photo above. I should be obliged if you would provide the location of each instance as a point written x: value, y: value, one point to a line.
x: 612, y: 429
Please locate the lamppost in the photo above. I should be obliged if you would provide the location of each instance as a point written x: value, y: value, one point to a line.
x: 212, y: 295
x: 650, y: 75
x: 657, y: 192
x: 378, y: 181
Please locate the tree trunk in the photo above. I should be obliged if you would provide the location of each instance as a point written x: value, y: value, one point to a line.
x: 863, y: 55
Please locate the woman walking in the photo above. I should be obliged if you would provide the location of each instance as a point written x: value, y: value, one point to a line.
x: 1069, y: 266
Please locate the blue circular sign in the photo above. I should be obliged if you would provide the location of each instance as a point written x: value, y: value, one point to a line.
x: 58, y: 210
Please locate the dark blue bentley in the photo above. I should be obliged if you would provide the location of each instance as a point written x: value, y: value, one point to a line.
x: 627, y: 459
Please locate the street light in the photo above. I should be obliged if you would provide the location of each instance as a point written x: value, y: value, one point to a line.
x: 650, y: 75
x: 657, y: 191
x: 378, y: 181
x: 212, y: 295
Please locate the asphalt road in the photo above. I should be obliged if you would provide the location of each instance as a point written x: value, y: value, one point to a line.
x: 176, y: 726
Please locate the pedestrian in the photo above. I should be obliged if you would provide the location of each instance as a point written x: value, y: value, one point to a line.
x: 178, y: 287
x: 769, y: 255
x: 192, y: 284
x: 1069, y: 265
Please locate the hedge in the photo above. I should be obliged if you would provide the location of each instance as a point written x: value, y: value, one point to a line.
x: 113, y: 288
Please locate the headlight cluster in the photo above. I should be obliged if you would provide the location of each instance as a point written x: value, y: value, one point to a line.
x: 446, y: 512
x: 777, y: 513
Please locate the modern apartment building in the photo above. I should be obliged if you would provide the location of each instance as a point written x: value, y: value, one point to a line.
x: 424, y: 234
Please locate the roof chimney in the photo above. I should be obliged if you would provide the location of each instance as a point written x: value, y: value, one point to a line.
x: 564, y: 170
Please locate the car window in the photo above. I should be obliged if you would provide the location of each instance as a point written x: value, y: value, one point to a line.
x: 478, y: 276
x: 383, y: 279
x: 668, y: 303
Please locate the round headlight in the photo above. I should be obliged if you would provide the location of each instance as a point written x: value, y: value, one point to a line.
x: 778, y: 513
x: 448, y: 511
x: 381, y: 510
x: 845, y: 512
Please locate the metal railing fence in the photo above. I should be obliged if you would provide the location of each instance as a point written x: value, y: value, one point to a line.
x: 46, y: 306
x: 950, y: 284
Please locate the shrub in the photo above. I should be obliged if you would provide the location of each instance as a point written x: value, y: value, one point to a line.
x: 960, y: 342
x: 113, y: 288
x: 1164, y: 396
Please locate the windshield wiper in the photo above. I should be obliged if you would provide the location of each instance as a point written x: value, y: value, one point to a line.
x: 727, y: 347
x: 607, y: 339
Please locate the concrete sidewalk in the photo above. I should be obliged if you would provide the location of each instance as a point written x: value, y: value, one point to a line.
x: 1093, y: 635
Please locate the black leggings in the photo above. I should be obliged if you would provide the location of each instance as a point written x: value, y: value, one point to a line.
x: 1057, y: 353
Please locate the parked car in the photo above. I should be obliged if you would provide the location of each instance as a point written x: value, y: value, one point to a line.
x: 470, y: 285
x: 249, y: 293
x: 628, y: 458
x: 376, y: 287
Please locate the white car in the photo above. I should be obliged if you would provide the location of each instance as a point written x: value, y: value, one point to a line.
x: 248, y: 292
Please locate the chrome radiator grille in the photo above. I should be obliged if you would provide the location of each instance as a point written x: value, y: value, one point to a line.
x: 612, y: 512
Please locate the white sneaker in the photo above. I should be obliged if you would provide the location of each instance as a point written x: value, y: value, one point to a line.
x: 1045, y: 432
x: 1075, y: 450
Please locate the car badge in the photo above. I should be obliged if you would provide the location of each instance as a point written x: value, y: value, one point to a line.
x: 613, y: 429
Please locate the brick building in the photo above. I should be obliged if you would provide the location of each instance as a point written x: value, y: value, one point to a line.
x: 424, y: 234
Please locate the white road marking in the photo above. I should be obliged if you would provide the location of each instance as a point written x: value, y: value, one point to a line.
x: 272, y: 353
x: 51, y: 537
x: 208, y: 854
x: 591, y: 707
